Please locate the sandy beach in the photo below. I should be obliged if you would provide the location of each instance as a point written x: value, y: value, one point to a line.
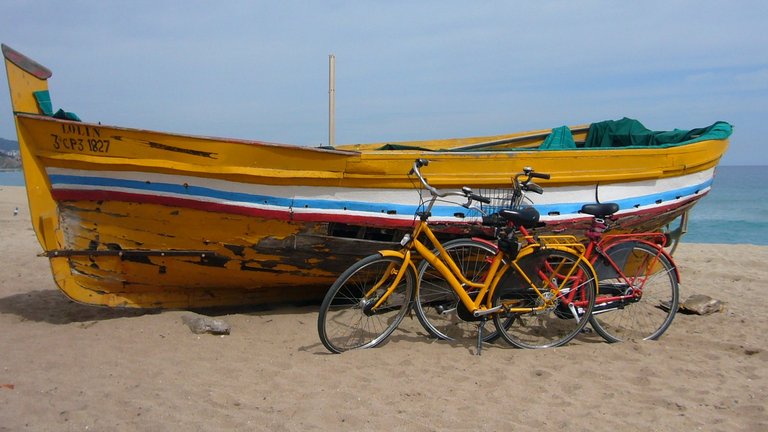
x: 66, y: 366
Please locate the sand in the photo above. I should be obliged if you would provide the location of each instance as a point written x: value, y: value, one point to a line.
x: 66, y: 366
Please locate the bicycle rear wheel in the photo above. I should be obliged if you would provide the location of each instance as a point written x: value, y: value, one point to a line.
x: 559, y: 276
x: 650, y: 289
x: 437, y: 304
x: 347, y: 318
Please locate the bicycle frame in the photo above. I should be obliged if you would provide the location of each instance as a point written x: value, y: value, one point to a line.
x: 598, y: 246
x: 443, y: 263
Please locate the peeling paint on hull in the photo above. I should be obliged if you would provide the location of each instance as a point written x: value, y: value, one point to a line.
x: 240, y: 259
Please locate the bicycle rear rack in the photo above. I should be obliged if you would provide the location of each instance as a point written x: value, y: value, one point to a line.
x: 568, y: 241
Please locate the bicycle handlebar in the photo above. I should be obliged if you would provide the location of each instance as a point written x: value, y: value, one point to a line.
x: 531, y: 174
x: 468, y: 192
x: 520, y: 186
x: 465, y: 191
x: 418, y: 163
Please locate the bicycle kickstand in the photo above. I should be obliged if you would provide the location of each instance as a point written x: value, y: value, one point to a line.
x: 480, y: 327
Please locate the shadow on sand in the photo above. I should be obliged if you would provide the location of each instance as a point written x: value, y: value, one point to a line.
x: 53, y: 307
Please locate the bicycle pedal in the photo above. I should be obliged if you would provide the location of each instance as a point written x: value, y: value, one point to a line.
x: 444, y: 309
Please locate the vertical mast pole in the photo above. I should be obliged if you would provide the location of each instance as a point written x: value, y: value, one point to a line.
x: 331, y: 100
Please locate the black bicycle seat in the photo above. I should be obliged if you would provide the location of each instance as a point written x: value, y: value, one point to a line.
x: 526, y: 216
x: 600, y: 209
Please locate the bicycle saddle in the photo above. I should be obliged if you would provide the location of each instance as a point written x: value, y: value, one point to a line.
x: 526, y: 216
x: 600, y: 209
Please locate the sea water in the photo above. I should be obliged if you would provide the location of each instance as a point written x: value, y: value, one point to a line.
x: 11, y: 178
x: 735, y: 210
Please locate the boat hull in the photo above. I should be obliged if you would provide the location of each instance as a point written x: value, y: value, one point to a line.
x: 137, y: 218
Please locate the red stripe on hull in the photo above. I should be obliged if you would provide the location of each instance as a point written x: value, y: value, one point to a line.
x: 287, y: 215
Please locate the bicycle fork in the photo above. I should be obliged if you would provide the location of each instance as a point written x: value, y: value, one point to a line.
x: 370, y: 307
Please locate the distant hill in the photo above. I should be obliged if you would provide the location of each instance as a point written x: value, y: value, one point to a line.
x: 8, y: 145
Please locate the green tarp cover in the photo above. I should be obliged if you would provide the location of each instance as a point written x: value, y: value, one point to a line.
x: 631, y: 133
x: 43, y: 98
x: 624, y: 133
x: 560, y: 139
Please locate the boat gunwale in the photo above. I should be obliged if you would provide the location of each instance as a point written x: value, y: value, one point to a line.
x: 379, y: 152
x: 43, y: 117
x: 373, y: 156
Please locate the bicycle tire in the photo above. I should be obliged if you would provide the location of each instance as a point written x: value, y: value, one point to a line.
x: 556, y: 325
x: 346, y: 321
x: 436, y: 303
x: 649, y: 315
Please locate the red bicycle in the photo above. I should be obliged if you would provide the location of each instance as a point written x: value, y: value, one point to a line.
x: 638, y: 281
x: 638, y: 289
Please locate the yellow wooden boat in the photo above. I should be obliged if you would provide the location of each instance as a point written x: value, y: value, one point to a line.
x: 137, y: 218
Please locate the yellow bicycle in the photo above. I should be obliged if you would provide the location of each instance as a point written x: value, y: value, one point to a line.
x: 538, y: 295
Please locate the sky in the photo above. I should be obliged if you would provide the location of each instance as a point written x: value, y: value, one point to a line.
x: 405, y: 70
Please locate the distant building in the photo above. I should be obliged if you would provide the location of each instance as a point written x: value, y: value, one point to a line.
x: 10, y: 159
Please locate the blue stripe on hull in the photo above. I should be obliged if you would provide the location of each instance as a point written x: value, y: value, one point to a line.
x: 63, y: 181
x: 627, y: 203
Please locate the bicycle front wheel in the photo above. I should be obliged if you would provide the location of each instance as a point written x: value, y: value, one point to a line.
x: 555, y: 314
x: 437, y: 305
x: 641, y: 301
x: 349, y: 316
